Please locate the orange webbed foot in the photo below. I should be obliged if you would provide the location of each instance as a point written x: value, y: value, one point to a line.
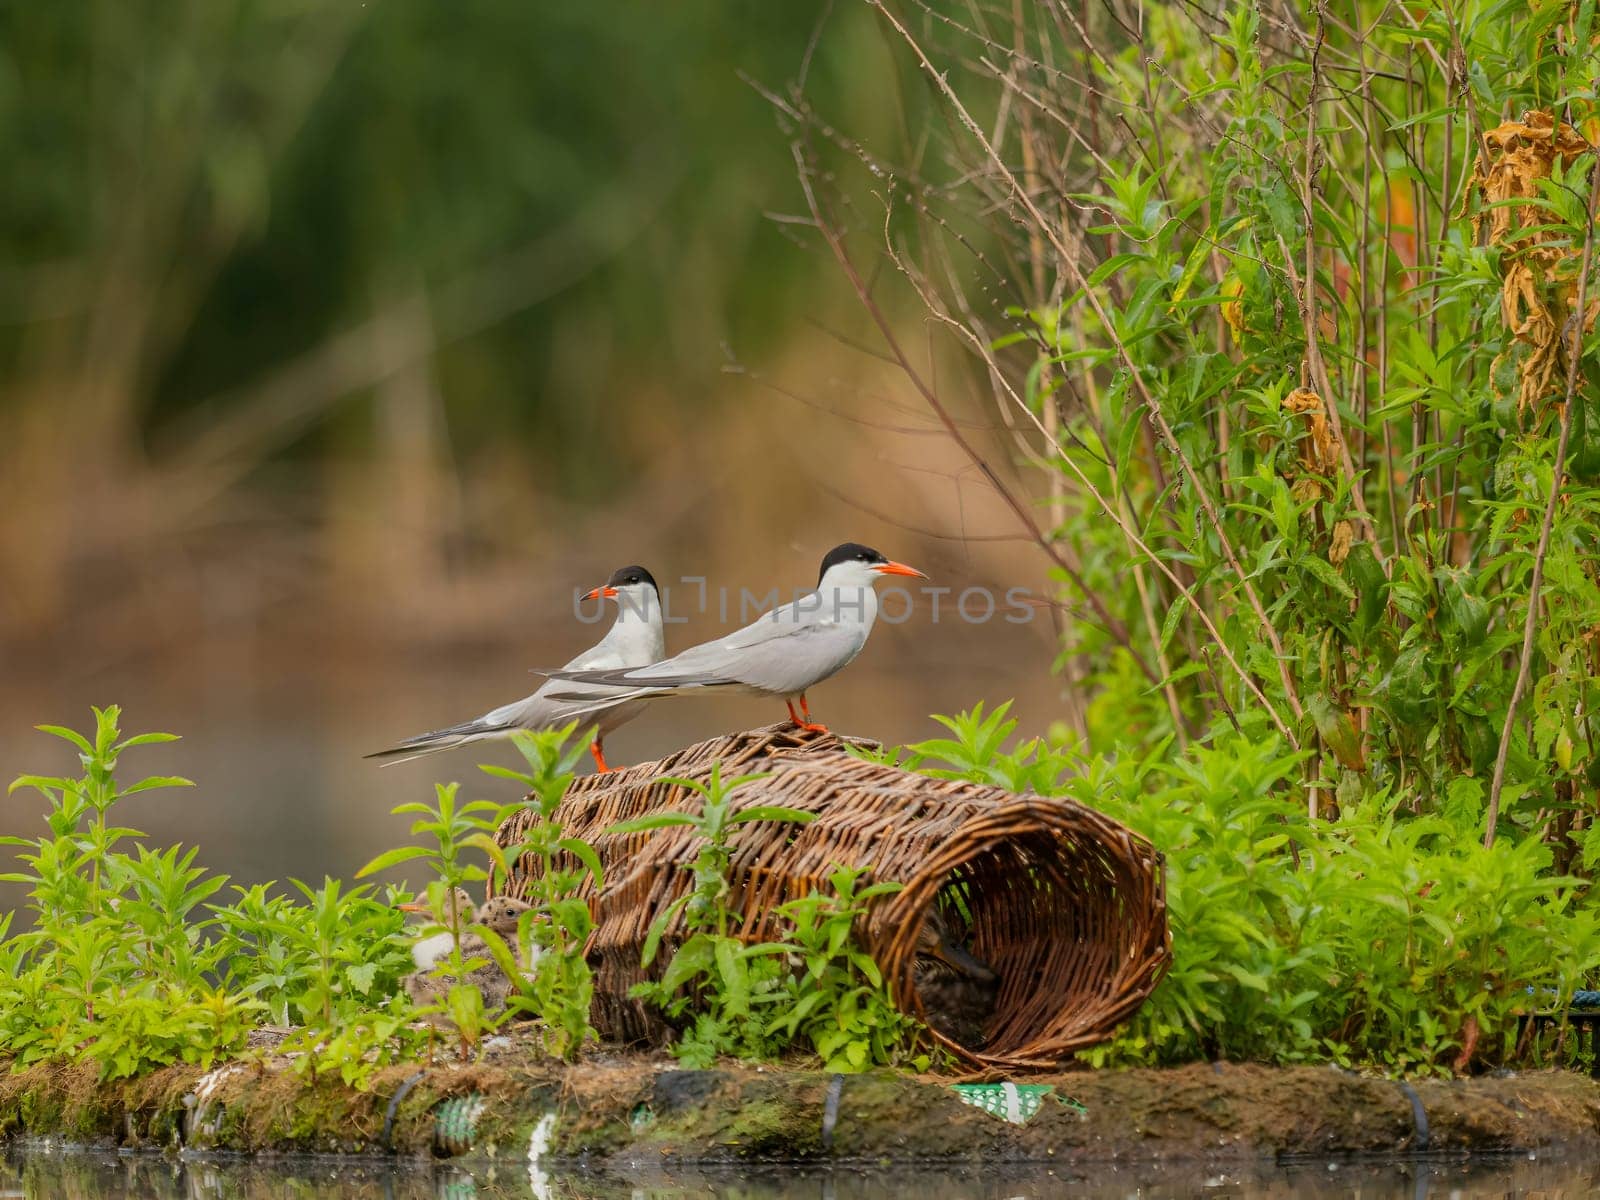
x: 802, y: 719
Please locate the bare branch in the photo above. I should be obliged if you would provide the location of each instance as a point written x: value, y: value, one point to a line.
x: 1109, y: 621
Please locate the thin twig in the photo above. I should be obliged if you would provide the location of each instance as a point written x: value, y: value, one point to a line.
x: 1185, y: 592
x: 1152, y: 405
x: 1113, y: 626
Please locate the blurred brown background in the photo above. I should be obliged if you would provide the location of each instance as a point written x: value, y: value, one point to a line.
x: 340, y: 342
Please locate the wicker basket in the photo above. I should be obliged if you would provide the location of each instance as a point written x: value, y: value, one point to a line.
x: 1065, y: 904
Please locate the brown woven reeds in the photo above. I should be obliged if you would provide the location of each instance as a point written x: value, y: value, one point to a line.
x: 1066, y: 905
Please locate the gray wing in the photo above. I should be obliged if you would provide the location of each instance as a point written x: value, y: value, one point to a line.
x: 544, y: 710
x: 547, y: 710
x: 783, y: 652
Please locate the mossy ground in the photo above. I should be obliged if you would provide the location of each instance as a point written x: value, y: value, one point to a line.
x: 642, y: 1111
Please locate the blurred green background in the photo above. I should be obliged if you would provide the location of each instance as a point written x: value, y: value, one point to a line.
x: 340, y: 342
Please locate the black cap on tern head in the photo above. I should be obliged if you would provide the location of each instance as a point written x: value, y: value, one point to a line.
x: 849, y: 552
x: 623, y: 576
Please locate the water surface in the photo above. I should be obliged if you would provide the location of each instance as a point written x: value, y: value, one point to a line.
x: 44, y: 1173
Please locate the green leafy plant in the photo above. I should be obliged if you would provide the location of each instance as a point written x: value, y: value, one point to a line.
x: 105, y: 969
x: 835, y: 999
x: 68, y: 867
x: 544, y: 962
x: 559, y: 989
x: 453, y: 828
x: 1296, y: 332
x: 144, y: 1027
x: 718, y: 984
x: 1316, y: 431
x: 336, y: 931
x: 131, y: 965
x: 1395, y: 941
x: 359, y: 1046
x: 135, y: 961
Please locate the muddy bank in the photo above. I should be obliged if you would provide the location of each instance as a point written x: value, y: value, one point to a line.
x: 646, y: 1114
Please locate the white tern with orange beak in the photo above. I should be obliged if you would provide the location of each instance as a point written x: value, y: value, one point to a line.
x: 781, y: 653
x: 635, y: 639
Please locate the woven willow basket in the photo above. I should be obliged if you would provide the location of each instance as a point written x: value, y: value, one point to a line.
x: 1066, y: 905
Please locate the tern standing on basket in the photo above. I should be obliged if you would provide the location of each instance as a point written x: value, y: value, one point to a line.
x: 635, y: 638
x: 781, y: 653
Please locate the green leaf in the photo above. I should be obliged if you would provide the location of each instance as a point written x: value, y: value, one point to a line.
x: 1198, y: 254
x: 391, y: 858
x: 412, y: 806
x: 61, y: 731
x: 42, y: 783
x: 584, y: 853
x: 157, y: 781
x: 735, y: 982
x: 652, y: 821
x: 146, y: 739
x: 694, y: 958
x: 772, y: 812
x: 1337, y: 728
x: 361, y: 977
x: 500, y: 772
x: 658, y: 927
x: 1327, y: 573
x: 501, y: 954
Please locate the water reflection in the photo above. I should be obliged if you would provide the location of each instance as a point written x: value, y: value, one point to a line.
x: 96, y: 1176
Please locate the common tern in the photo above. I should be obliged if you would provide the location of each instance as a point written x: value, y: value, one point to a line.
x: 781, y: 653
x: 635, y: 639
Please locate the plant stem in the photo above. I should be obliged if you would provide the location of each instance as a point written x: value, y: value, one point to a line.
x: 1525, y: 661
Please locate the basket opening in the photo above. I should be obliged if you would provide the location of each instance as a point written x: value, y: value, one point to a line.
x: 1042, y: 922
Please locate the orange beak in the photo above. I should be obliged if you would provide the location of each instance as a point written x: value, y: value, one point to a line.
x: 898, y: 568
x: 596, y: 593
x: 413, y: 908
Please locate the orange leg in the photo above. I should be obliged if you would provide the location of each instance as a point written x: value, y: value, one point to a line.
x: 803, y: 718
x: 599, y: 757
